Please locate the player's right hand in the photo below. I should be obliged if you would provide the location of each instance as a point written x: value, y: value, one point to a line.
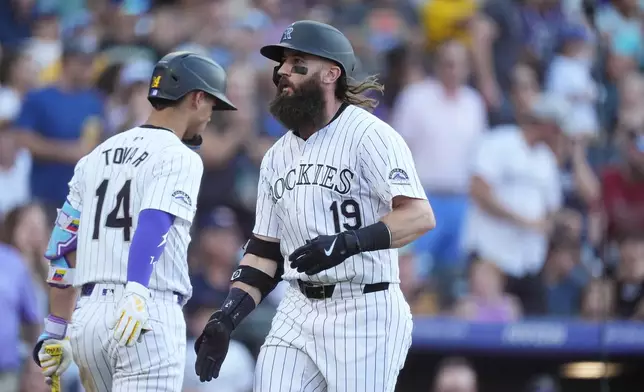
x: 212, y: 346
x: 52, y: 365
x: 131, y: 316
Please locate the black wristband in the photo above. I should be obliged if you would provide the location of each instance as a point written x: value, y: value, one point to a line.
x: 237, y: 306
x: 373, y: 237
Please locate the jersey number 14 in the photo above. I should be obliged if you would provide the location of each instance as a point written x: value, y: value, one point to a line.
x: 113, y: 221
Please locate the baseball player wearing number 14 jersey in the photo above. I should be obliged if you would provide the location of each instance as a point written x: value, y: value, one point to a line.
x: 337, y: 194
x: 122, y: 238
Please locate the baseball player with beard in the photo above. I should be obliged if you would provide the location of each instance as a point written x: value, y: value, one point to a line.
x: 338, y: 194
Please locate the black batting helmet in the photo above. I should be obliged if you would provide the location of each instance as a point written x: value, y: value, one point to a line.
x: 179, y: 73
x: 315, y: 38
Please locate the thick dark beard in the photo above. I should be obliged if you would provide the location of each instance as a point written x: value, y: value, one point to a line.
x: 304, y: 109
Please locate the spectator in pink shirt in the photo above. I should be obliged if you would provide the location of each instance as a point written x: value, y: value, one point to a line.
x: 441, y: 119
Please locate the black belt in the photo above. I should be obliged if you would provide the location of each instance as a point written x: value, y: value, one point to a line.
x: 88, y: 288
x: 314, y: 291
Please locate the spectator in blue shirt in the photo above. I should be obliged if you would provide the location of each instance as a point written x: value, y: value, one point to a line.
x: 19, y: 309
x: 15, y: 22
x: 61, y: 123
x: 564, y: 277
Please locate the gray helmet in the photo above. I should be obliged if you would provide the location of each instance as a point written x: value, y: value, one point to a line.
x: 315, y: 38
x: 179, y: 73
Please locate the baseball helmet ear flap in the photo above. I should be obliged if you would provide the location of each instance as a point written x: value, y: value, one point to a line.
x: 164, y: 84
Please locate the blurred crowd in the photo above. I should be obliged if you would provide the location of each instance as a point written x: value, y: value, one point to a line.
x: 524, y: 118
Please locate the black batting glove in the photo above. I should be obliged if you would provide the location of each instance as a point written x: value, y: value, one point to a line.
x: 324, y: 252
x: 212, y: 346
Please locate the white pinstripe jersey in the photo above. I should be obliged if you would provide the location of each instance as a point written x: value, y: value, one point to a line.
x: 341, y: 178
x: 143, y: 168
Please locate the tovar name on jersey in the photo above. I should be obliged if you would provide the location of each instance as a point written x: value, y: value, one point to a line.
x: 142, y: 168
x: 124, y: 155
x: 319, y: 174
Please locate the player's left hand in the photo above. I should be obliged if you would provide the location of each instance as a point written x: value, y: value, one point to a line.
x: 55, y: 364
x: 324, y: 252
x: 131, y: 315
x: 52, y: 365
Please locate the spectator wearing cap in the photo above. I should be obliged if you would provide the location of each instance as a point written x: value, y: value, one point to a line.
x: 516, y: 190
x: 81, y: 25
x: 442, y: 120
x: 45, y: 45
x: 61, y: 123
x: 570, y: 75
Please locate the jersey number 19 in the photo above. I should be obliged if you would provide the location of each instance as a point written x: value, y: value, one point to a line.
x: 113, y: 221
x: 350, y: 210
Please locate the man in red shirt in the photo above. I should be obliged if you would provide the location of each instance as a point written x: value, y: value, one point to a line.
x: 623, y: 189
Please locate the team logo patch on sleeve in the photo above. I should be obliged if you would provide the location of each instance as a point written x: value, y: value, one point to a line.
x: 399, y: 177
x: 182, y: 197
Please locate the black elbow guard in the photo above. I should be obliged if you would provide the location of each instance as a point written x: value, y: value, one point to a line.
x: 265, y: 249
x: 256, y: 278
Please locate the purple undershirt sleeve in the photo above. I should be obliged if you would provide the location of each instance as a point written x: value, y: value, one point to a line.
x: 148, y: 244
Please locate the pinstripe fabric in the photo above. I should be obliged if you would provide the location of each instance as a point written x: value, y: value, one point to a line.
x: 155, y: 364
x: 356, y: 344
x: 132, y: 171
x: 338, y: 178
x: 167, y: 178
x: 343, y: 177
